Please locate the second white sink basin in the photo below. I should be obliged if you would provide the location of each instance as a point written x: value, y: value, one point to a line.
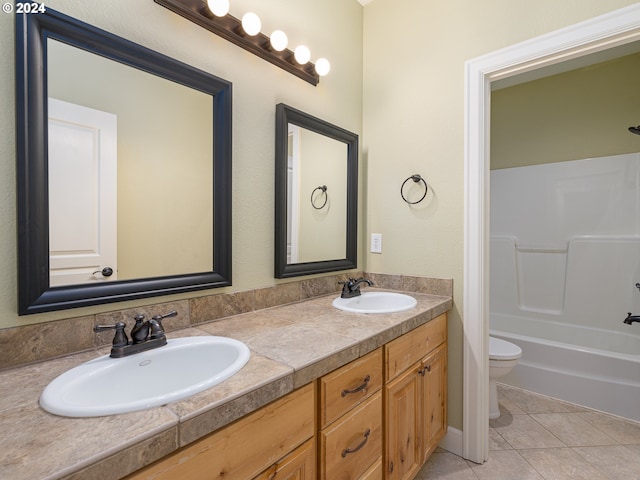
x: 376, y: 302
x: 183, y: 367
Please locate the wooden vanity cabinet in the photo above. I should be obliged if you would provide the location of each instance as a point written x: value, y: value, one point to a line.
x: 276, y: 441
x: 350, y: 421
x: 378, y: 417
x: 415, y: 398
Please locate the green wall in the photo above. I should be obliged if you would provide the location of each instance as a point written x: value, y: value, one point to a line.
x: 582, y: 113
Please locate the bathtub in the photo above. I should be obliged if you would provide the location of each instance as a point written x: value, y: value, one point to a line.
x: 569, y: 362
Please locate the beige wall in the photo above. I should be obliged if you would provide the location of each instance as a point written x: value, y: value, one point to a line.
x: 583, y: 113
x: 414, y: 120
x: 331, y: 28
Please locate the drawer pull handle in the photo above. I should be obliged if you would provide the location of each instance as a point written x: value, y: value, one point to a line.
x: 365, y: 384
x: 347, y: 451
x: 424, y: 370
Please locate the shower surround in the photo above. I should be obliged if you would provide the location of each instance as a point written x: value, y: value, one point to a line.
x: 565, y: 259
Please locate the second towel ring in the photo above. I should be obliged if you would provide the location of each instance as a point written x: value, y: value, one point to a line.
x: 416, y: 178
x: 322, y: 188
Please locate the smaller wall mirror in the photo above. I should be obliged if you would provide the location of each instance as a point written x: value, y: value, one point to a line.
x: 316, y: 195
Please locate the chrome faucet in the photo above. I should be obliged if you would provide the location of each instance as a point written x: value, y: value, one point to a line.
x: 631, y: 318
x: 145, y: 335
x: 351, y: 288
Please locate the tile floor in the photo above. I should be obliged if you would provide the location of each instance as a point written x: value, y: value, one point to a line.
x: 541, y: 438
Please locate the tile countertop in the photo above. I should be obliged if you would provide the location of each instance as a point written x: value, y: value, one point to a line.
x: 291, y: 345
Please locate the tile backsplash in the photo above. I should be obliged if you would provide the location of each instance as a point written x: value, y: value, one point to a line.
x: 33, y: 343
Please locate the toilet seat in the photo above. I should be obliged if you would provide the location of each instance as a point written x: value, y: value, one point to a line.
x: 502, y: 350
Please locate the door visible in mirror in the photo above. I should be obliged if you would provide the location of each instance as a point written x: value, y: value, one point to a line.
x: 163, y: 223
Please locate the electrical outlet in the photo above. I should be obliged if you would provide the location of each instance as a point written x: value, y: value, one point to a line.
x: 376, y: 243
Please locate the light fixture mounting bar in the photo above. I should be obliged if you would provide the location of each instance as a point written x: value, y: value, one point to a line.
x: 230, y: 28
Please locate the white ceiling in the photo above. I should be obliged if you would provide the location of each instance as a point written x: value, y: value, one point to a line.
x: 364, y: 2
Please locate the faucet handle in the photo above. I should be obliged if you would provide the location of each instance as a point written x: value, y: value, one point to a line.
x: 120, y: 338
x: 172, y: 313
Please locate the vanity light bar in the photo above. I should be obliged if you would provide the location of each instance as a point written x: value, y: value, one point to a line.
x: 230, y: 28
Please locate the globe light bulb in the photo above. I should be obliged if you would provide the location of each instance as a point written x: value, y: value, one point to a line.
x: 218, y: 7
x: 302, y: 54
x: 322, y: 66
x: 279, y: 40
x: 251, y: 23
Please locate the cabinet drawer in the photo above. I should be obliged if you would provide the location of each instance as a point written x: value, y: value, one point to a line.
x: 352, y: 444
x: 408, y: 349
x: 348, y: 386
x: 245, y: 448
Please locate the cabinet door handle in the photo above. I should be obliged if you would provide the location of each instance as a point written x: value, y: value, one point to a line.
x: 347, y: 451
x: 365, y: 384
x: 424, y: 370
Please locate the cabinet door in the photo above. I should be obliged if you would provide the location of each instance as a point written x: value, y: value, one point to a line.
x: 434, y: 396
x: 403, y: 459
x: 298, y: 465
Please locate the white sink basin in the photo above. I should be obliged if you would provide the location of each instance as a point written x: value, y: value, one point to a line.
x: 376, y: 302
x: 106, y: 386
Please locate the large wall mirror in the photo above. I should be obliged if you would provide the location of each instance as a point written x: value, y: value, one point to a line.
x: 316, y: 195
x: 123, y: 169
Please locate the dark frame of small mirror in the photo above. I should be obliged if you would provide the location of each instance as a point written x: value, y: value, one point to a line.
x: 284, y: 116
x: 35, y: 294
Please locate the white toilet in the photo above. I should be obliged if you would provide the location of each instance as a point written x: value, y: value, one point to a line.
x: 503, y: 356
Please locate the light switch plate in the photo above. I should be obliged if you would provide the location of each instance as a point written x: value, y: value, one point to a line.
x: 376, y: 243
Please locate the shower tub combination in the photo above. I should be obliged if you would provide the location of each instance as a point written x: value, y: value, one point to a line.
x: 583, y: 373
x: 565, y: 260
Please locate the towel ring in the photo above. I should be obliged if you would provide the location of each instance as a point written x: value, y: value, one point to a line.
x: 323, y: 189
x: 416, y: 178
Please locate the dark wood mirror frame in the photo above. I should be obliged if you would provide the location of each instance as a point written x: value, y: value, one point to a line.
x: 35, y: 294
x: 284, y: 116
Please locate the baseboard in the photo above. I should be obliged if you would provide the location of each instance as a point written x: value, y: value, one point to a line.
x: 452, y: 441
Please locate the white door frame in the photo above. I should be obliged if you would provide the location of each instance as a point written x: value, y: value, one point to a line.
x: 600, y: 33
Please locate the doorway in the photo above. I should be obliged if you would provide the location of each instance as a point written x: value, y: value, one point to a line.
x: 599, y: 34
